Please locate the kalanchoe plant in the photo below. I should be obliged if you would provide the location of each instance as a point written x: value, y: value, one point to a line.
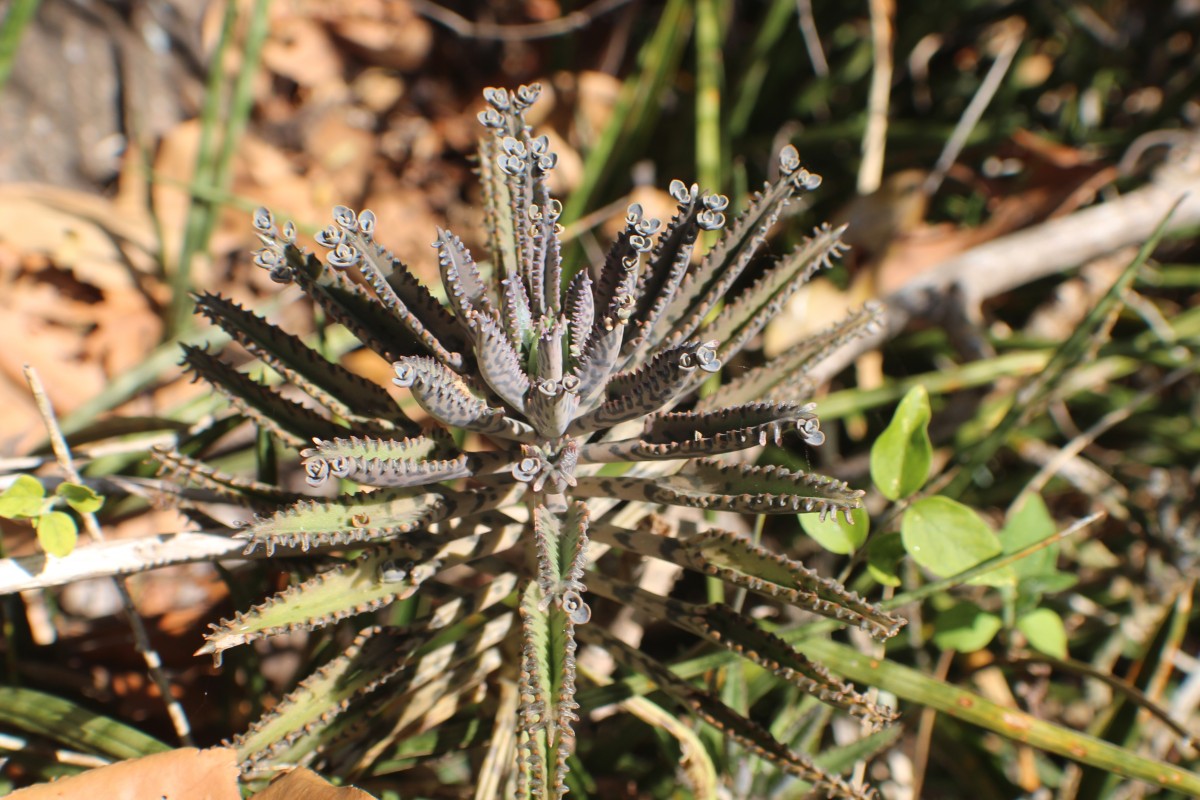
x: 569, y: 391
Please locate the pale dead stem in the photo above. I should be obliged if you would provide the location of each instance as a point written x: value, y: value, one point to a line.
x: 1025, y: 256
x: 141, y: 639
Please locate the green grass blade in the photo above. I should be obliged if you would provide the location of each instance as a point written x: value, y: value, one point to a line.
x: 19, y: 15
x: 73, y: 726
x: 709, y: 77
x: 1010, y: 723
x: 636, y: 106
x: 1072, y: 352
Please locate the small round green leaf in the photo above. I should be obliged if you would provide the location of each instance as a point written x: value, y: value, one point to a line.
x: 901, y: 455
x: 883, y: 558
x: 1026, y: 525
x: 946, y: 537
x: 57, y: 533
x: 81, y: 498
x: 835, y: 534
x: 1044, y: 629
x: 965, y: 627
x: 23, y: 498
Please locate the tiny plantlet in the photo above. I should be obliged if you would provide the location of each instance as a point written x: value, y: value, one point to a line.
x: 57, y: 532
x: 576, y: 385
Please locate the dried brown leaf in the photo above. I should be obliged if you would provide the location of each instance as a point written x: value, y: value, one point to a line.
x: 183, y: 774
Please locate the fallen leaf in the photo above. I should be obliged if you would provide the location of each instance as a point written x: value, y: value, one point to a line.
x: 183, y: 774
x: 304, y: 784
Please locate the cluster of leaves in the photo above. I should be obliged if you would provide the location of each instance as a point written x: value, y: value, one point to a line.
x: 948, y: 538
x: 570, y: 387
x: 57, y: 531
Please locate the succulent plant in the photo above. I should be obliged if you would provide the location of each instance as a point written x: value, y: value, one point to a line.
x: 545, y: 419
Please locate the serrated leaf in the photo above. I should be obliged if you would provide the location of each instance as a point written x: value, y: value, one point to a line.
x: 363, y: 314
x: 81, y: 498
x: 23, y: 498
x: 965, y: 627
x: 749, y: 312
x: 57, y: 533
x: 785, y: 376
x: 289, y: 420
x: 465, y: 287
x: 1044, y: 629
x: 711, y: 484
x: 545, y: 731
x: 835, y: 534
x: 708, y: 707
x: 448, y: 399
x: 374, y: 656
x: 689, y: 434
x: 368, y: 583
x: 330, y: 384
x: 721, y: 625
x: 187, y: 472
x: 421, y: 672
x: 901, y: 456
x: 739, y: 562
x: 883, y: 557
x: 361, y: 517
x: 947, y: 537
x: 649, y: 388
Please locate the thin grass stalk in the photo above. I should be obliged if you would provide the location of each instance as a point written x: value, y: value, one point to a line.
x: 180, y: 309
x: 1084, y: 338
x: 19, y: 15
x: 141, y: 639
x: 709, y: 76
x: 1010, y: 723
x: 634, y: 110
x: 749, y: 87
x: 240, y: 106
